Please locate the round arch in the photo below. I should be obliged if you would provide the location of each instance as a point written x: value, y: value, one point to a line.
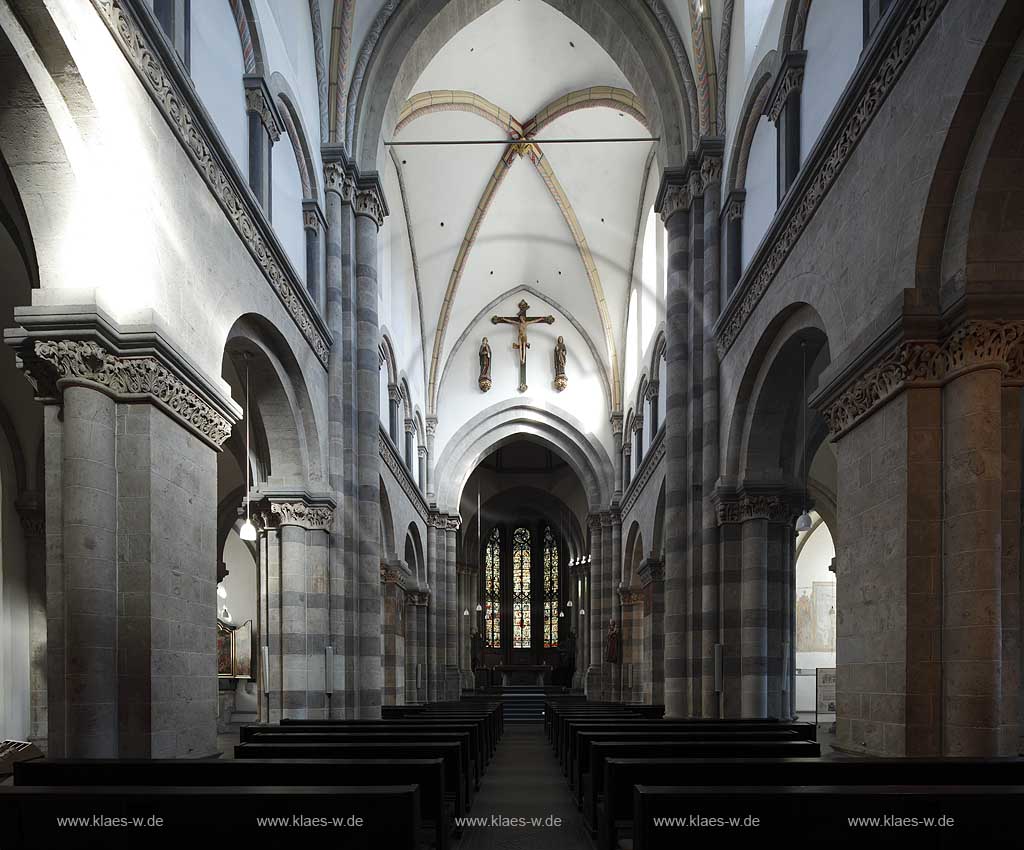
x: 512, y: 420
x: 750, y: 116
x: 632, y: 555
x: 403, y: 40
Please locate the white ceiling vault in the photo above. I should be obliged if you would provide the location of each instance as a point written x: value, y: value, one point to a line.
x: 559, y: 218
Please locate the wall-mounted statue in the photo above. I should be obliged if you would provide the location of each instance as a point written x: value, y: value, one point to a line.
x: 561, y: 382
x: 485, y: 366
x: 611, y: 648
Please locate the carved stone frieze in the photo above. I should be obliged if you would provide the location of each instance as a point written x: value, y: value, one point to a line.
x: 401, y: 474
x: 303, y: 514
x: 647, y: 468
x: 52, y: 363
x: 223, y: 181
x: 922, y: 362
x: 750, y: 506
x: 823, y: 172
x: 629, y: 596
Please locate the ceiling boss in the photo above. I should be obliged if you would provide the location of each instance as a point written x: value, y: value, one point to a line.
x: 522, y: 322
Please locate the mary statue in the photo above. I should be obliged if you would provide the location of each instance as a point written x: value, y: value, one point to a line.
x: 611, y: 649
x: 485, y: 366
x: 560, y: 380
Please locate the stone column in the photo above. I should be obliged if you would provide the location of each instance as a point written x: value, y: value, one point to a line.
x: 32, y: 514
x: 972, y: 563
x: 89, y: 595
x: 710, y: 173
x: 339, y: 185
x: 1011, y: 577
x: 422, y: 451
x: 673, y: 204
x: 732, y: 241
x: 393, y: 606
x: 467, y: 581
x: 783, y: 109
x: 434, y: 664
x: 410, y: 446
x: 652, y: 578
x: 595, y: 611
x: 730, y: 560
x: 369, y: 209
x: 652, y: 408
x: 314, y: 225
x: 394, y: 398
x: 264, y: 131
x: 616, y: 422
x: 294, y: 617
x: 627, y: 465
x: 609, y: 606
x: 754, y: 617
x: 695, y: 459
x: 613, y: 542
x: 638, y: 441
x: 430, y: 426
x: 453, y: 678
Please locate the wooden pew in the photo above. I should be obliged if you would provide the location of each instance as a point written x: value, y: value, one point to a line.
x: 455, y: 781
x: 560, y: 722
x: 477, y: 746
x: 592, y: 782
x: 581, y: 765
x: 803, y: 731
x: 426, y: 774
x: 193, y: 816
x: 466, y: 764
x: 983, y: 816
x: 615, y: 809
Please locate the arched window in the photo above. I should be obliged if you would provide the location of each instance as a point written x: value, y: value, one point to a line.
x: 550, y: 589
x: 492, y: 591
x: 521, y: 589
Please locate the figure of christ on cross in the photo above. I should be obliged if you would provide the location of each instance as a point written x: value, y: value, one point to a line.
x: 522, y: 322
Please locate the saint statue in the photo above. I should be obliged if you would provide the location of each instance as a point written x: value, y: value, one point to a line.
x: 611, y: 650
x: 560, y: 380
x: 477, y: 643
x: 485, y: 366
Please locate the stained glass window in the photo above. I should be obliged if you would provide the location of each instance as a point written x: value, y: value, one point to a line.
x: 521, y: 589
x: 492, y: 591
x: 550, y: 589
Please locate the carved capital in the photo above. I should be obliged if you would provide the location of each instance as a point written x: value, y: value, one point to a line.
x: 32, y: 515
x: 276, y: 512
x: 421, y: 450
x: 710, y: 171
x: 52, y: 364
x: 339, y: 179
x: 391, y: 574
x: 638, y: 424
x: 651, y: 570
x: 973, y: 344
x: 790, y: 81
x: 368, y: 201
x: 259, y: 101
x: 741, y: 507
x: 419, y: 598
x: 616, y: 420
x: 628, y: 596
x: 410, y: 426
x: 652, y: 390
x: 734, y: 206
x: 394, y: 392
x: 431, y: 426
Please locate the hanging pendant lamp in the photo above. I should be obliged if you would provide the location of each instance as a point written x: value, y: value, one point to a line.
x: 804, y: 523
x: 248, y: 530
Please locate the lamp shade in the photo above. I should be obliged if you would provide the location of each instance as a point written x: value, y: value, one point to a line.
x: 479, y: 607
x: 247, y: 531
x: 804, y: 523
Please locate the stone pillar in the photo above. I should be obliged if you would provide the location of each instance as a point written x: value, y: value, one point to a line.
x: 619, y: 472
x: 452, y: 678
x: 732, y: 241
x: 415, y: 646
x: 754, y: 618
x: 972, y: 566
x: 89, y: 595
x: 410, y: 446
x: 314, y: 225
x: 609, y: 608
x: 130, y: 520
x: 264, y: 131
x: 783, y: 109
x: 394, y: 399
x: 369, y: 209
x: 393, y: 608
x: 595, y: 611
x: 710, y: 174
x: 430, y: 426
x: 340, y: 314
x: 614, y: 543
x: 294, y: 616
x: 434, y: 663
x: 32, y: 514
x: 1011, y: 552
x: 673, y: 204
x: 652, y: 407
x: 627, y: 465
x: 652, y: 578
x: 422, y: 451
x: 638, y: 441
x: 467, y: 582
x: 695, y: 460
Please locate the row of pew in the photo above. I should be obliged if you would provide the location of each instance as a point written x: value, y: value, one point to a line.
x: 395, y: 782
x: 644, y: 782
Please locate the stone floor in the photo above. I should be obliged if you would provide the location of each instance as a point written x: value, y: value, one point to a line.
x: 523, y: 781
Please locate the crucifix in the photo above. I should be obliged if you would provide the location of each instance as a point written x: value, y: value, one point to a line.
x: 522, y: 322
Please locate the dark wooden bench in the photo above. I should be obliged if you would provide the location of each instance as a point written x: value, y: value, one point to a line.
x: 455, y: 781
x: 193, y: 816
x: 803, y: 731
x: 477, y: 746
x: 615, y: 808
x: 983, y: 816
x: 467, y: 765
x: 581, y: 764
x: 592, y: 783
x: 427, y: 774
x: 560, y: 723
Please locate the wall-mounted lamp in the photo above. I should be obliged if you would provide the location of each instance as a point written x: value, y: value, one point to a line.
x: 465, y: 613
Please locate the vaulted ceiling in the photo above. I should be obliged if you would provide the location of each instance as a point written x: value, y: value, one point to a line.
x: 487, y: 218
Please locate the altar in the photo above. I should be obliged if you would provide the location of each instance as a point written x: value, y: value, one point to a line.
x: 524, y: 674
